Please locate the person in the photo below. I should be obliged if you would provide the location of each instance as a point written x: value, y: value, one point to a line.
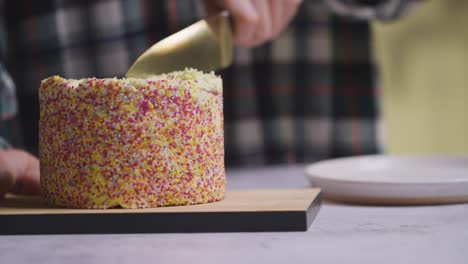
x: 307, y: 95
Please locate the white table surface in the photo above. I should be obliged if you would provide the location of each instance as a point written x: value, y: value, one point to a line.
x: 340, y: 234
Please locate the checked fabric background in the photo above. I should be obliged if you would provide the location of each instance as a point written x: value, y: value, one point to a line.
x: 308, y: 95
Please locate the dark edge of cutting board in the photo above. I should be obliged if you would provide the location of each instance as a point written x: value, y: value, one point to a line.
x: 171, y: 222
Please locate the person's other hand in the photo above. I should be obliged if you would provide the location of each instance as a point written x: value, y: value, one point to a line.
x: 19, y: 173
x: 255, y: 21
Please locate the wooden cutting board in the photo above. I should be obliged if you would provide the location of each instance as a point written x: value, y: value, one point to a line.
x: 240, y: 211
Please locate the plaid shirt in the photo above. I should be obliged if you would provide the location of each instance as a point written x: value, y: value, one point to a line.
x: 308, y: 95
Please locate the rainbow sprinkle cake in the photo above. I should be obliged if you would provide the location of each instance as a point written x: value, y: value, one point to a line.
x: 132, y: 143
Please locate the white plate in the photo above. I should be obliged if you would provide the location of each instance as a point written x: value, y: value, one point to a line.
x: 398, y: 180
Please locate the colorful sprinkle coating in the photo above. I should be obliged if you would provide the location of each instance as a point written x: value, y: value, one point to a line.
x: 134, y: 143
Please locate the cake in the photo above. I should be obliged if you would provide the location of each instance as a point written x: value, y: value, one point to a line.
x: 132, y: 143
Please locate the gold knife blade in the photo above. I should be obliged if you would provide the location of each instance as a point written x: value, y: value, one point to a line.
x: 205, y: 45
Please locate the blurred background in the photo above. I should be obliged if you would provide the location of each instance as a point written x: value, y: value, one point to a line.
x: 328, y: 86
x: 423, y: 63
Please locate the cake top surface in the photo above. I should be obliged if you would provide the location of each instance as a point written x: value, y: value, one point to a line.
x: 188, y: 78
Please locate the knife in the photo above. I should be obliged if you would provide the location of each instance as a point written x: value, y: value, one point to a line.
x: 206, y: 46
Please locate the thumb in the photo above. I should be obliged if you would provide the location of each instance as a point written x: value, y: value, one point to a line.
x: 6, y: 181
x: 20, y: 172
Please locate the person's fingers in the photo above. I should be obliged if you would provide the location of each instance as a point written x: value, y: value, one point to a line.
x: 255, y: 21
x: 276, y: 10
x: 264, y: 29
x: 283, y: 12
x: 245, y: 19
x: 28, y: 181
x: 7, y: 177
x: 289, y: 10
x: 6, y: 182
x: 19, y: 172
